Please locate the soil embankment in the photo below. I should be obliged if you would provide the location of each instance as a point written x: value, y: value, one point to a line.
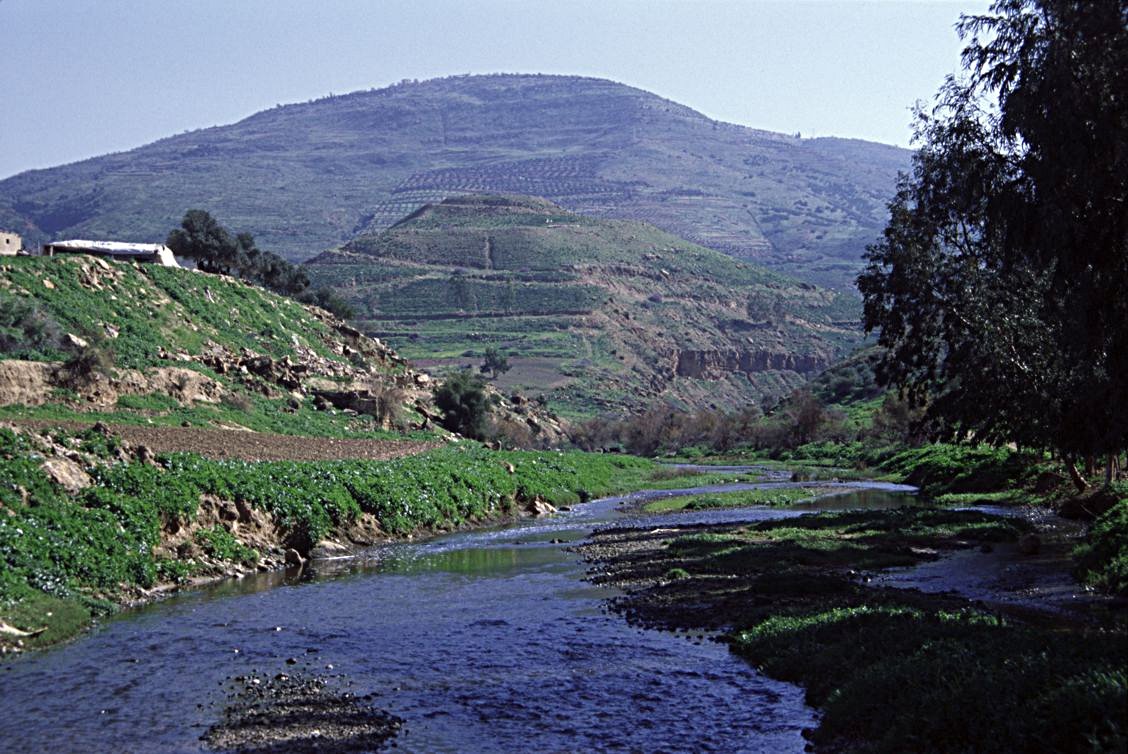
x: 220, y: 444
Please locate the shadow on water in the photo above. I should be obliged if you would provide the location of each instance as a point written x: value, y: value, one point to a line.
x: 485, y: 640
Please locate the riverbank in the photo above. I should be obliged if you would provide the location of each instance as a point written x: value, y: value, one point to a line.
x: 890, y: 669
x: 89, y: 524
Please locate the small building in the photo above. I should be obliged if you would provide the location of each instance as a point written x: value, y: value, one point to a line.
x: 10, y: 243
x: 149, y: 253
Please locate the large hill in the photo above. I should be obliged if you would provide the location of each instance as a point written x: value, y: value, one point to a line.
x: 602, y: 315
x: 307, y: 177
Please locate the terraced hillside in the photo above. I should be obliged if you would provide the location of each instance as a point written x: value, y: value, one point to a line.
x: 598, y: 315
x: 307, y: 177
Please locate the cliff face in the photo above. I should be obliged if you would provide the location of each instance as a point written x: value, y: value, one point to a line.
x: 713, y: 365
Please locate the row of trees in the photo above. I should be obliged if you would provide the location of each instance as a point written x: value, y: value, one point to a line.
x: 998, y: 287
x: 214, y: 249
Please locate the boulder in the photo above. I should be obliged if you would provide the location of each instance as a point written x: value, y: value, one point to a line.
x: 327, y: 549
x: 67, y: 474
x: 538, y: 507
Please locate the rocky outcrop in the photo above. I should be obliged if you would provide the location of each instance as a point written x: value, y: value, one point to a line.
x: 31, y: 383
x: 711, y: 365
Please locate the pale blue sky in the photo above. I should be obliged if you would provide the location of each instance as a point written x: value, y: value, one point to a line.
x: 83, y: 77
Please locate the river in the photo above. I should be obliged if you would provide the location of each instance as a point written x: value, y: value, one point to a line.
x: 486, y: 640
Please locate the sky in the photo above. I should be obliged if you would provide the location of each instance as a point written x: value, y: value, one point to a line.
x: 79, y: 78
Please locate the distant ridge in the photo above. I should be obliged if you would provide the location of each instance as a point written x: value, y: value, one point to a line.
x: 310, y: 176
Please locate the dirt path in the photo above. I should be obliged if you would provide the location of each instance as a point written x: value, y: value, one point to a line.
x: 251, y: 446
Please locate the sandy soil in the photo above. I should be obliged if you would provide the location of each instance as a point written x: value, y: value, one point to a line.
x: 252, y: 446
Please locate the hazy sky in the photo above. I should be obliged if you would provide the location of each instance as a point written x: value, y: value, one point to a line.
x: 83, y: 77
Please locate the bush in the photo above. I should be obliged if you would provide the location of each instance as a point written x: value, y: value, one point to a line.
x: 465, y: 406
x: 26, y: 330
x: 1102, y: 562
x: 85, y: 367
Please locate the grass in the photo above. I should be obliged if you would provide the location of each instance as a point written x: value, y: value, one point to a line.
x: 260, y: 414
x: 897, y: 677
x: 784, y: 496
x: 139, y: 312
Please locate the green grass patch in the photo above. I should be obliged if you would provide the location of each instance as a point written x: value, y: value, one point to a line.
x: 895, y: 677
x: 782, y: 496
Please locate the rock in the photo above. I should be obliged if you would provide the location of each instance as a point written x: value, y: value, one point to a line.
x: 48, y: 284
x: 67, y: 474
x: 294, y: 558
x: 510, y: 468
x: 1029, y: 544
x: 540, y: 507
x: 144, y: 454
x: 76, y: 341
x: 328, y: 549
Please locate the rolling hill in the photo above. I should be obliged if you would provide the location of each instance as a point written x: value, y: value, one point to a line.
x: 307, y: 177
x: 598, y: 315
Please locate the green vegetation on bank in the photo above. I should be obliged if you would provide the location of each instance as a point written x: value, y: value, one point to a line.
x: 896, y: 675
x: 254, y: 412
x: 891, y: 670
x: 778, y: 496
x: 99, y: 544
x: 1102, y: 560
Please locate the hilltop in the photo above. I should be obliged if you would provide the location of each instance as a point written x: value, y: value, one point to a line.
x: 307, y: 177
x: 599, y: 315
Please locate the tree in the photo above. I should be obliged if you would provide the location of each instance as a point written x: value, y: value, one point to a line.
x: 997, y: 285
x: 465, y: 406
x: 495, y: 362
x: 201, y: 238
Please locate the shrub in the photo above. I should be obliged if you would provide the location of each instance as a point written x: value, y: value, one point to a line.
x: 1102, y: 562
x: 85, y: 367
x: 25, y: 329
x: 465, y: 406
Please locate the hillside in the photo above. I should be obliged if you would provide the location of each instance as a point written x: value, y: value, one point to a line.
x: 599, y: 315
x: 82, y: 339
x: 307, y: 177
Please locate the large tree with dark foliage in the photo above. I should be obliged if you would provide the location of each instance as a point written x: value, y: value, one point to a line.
x: 999, y: 287
x: 201, y: 238
x: 464, y: 403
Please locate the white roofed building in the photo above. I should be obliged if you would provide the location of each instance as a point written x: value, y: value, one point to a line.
x: 152, y: 253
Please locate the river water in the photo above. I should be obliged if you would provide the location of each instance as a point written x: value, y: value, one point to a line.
x: 482, y: 641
